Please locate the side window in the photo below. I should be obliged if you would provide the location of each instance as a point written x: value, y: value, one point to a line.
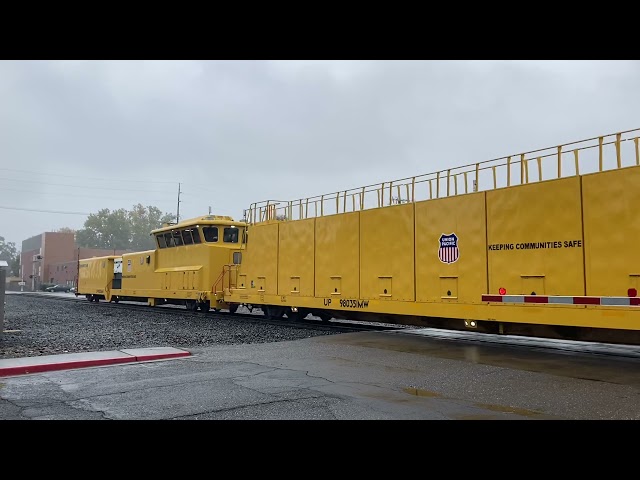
x: 230, y: 235
x: 196, y: 235
x: 161, y: 242
x: 169, y: 239
x: 210, y: 234
x: 237, y: 258
x: 177, y: 238
x: 186, y: 236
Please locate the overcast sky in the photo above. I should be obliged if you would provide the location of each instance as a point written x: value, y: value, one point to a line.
x: 79, y: 136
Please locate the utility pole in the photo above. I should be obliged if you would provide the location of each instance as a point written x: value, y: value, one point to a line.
x: 4, y: 266
x: 178, y: 211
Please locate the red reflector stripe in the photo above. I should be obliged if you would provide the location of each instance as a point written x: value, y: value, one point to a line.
x: 492, y: 298
x: 586, y: 300
x: 560, y: 300
x: 536, y: 299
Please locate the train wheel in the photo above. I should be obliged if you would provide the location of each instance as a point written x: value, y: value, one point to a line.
x: 233, y: 308
x: 299, y: 314
x: 89, y: 298
x: 325, y: 317
x: 191, y: 305
x: 116, y: 299
x: 272, y: 312
x: 204, y: 306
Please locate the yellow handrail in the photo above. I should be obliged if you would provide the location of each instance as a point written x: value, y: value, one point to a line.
x: 267, y: 209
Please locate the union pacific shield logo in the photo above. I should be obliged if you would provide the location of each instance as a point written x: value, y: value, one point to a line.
x: 448, y: 251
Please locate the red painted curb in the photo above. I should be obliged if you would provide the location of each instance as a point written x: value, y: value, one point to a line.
x: 49, y: 367
x: 160, y: 356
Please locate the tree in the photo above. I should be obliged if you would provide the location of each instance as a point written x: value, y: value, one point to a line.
x: 66, y: 230
x: 10, y: 254
x: 122, y: 229
x: 143, y: 220
x: 105, y: 229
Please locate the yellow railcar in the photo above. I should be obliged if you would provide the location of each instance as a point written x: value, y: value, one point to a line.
x: 95, y: 277
x: 541, y: 243
x: 185, y: 268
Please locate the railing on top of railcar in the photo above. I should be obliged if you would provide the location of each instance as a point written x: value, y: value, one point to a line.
x: 585, y: 156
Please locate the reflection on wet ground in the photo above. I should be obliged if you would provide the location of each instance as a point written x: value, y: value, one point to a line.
x: 599, y: 362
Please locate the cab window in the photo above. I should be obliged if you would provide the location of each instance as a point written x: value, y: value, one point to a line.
x: 210, y: 234
x: 168, y: 239
x: 230, y: 235
x: 186, y: 236
x: 177, y: 238
x: 161, y: 242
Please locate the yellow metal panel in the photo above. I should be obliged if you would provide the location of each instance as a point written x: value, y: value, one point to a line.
x: 338, y: 256
x: 137, y: 273
x: 611, y: 231
x: 386, y: 253
x: 461, y: 275
x: 296, y: 258
x: 534, y: 236
x: 206, y: 264
x: 95, y: 275
x: 259, y: 269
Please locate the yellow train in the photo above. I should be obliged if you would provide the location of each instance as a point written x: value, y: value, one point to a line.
x: 541, y: 243
x: 188, y: 266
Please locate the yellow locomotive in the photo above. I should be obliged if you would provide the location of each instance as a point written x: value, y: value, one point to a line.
x: 541, y: 243
x: 188, y: 266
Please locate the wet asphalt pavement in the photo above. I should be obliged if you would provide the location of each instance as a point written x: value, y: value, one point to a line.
x: 352, y: 376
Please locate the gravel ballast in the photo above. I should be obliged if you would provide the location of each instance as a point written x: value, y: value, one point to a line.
x: 41, y: 325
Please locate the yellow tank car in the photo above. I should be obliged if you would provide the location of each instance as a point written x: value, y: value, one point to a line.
x: 95, y: 277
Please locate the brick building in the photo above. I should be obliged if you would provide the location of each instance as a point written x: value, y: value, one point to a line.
x: 67, y: 272
x: 52, y: 257
x: 40, y: 251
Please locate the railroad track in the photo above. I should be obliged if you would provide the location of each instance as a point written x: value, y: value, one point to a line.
x: 346, y: 326
x: 307, y: 323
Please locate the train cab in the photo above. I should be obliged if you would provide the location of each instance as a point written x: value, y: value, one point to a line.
x: 199, y: 255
